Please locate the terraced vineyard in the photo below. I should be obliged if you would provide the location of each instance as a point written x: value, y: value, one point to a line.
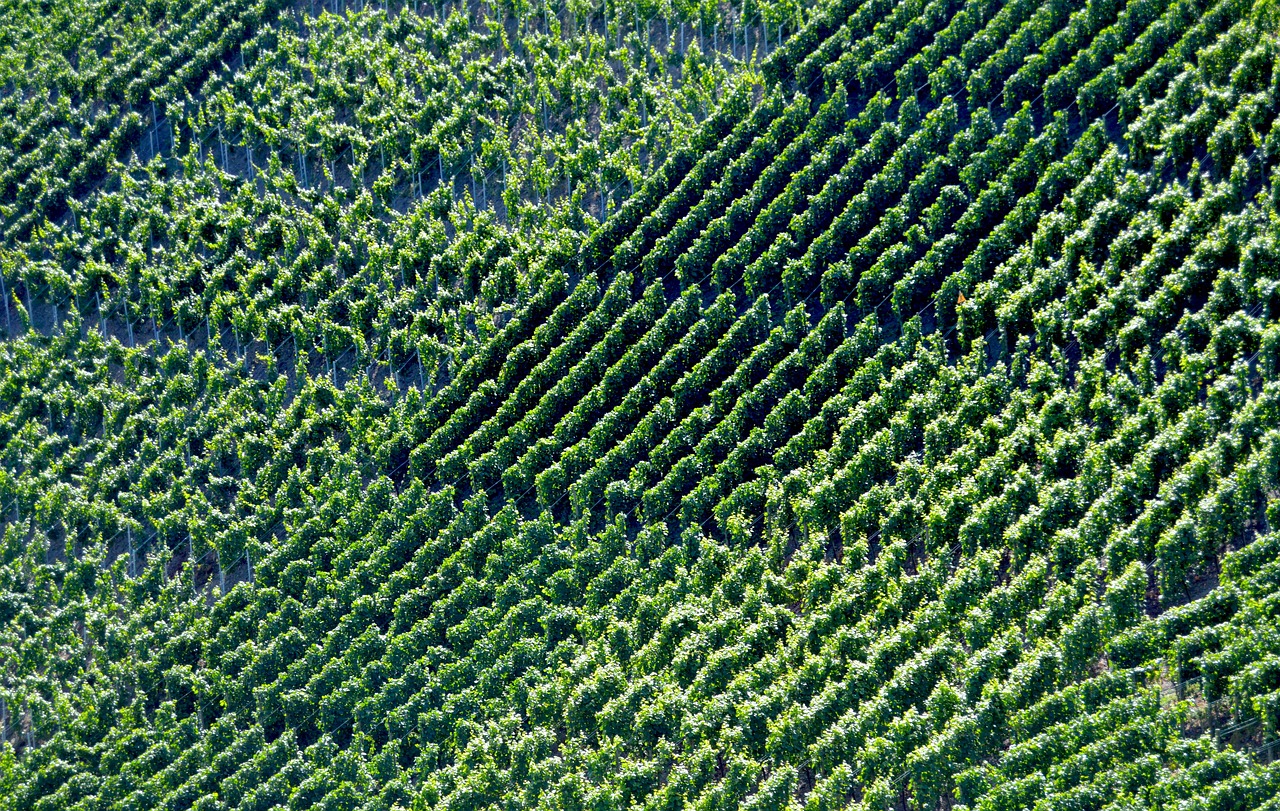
x: 869, y: 404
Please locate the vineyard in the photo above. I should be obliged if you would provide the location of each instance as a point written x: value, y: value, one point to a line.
x: 764, y: 404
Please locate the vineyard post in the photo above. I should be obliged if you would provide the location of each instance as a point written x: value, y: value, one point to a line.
x: 127, y: 320
x: 4, y: 293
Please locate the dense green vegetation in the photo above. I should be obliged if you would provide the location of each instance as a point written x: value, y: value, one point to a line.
x: 869, y: 404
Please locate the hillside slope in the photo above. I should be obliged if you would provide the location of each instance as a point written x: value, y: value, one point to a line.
x: 908, y: 439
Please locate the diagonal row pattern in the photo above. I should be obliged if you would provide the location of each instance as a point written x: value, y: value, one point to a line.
x: 936, y: 467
